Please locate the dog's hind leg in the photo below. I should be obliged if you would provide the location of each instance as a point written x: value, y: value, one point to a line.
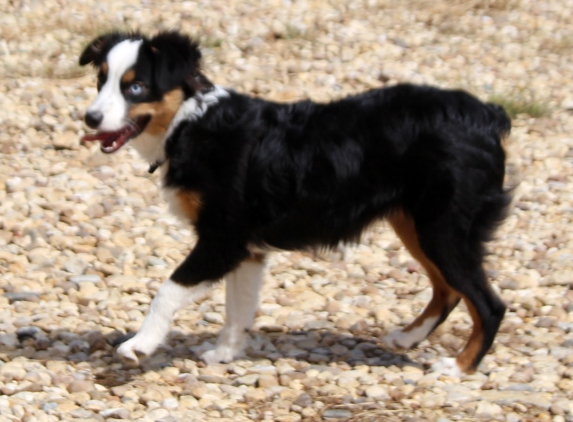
x: 444, y: 298
x: 241, y: 299
x: 170, y: 297
x: 457, y: 251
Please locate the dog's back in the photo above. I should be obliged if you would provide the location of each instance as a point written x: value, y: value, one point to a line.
x: 309, y: 174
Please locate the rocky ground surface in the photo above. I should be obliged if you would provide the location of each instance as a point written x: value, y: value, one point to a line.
x: 85, y: 240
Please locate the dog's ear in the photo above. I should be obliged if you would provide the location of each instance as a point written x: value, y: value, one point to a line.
x: 177, y: 62
x: 93, y: 53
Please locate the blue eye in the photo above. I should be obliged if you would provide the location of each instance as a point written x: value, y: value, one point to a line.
x: 135, y: 89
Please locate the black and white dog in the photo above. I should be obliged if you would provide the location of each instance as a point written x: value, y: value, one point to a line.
x: 252, y: 176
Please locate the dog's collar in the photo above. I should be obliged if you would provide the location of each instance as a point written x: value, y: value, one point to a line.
x: 155, y: 166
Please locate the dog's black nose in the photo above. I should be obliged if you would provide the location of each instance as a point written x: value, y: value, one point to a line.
x: 94, y: 118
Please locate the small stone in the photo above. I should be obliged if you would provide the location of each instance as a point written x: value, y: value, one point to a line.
x: 80, y: 386
x: 348, y: 382
x: 519, y: 282
x: 214, y: 318
x: 95, y: 405
x: 91, y: 278
x: 155, y: 393
x: 336, y: 413
x: 487, y: 409
x: 120, y: 390
x: 170, y: 403
x: 213, y: 379
x: 377, y: 392
x: 255, y: 395
x: 513, y: 417
x: 157, y: 262
x: 27, y: 332
x: 560, y: 278
x: 117, y: 413
x: 304, y: 400
x: 250, y: 379
x: 96, y: 341
x: 22, y: 296
x: 546, y: 322
x: 75, y: 265
x: 66, y: 140
x: 10, y: 340
x: 267, y: 381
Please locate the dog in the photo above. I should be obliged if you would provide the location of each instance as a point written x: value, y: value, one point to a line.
x: 252, y: 176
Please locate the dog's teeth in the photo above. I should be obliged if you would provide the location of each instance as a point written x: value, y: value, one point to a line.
x: 114, y: 144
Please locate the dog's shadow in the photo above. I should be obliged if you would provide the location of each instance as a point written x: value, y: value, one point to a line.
x: 311, y: 348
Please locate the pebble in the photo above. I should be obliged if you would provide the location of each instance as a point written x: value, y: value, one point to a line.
x: 336, y: 414
x: 22, y: 296
x: 80, y: 386
x: 75, y: 265
x: 214, y: 318
x: 117, y: 413
x: 304, y: 400
x: 250, y: 379
x: 488, y: 410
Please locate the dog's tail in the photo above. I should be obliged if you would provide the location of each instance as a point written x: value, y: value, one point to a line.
x: 501, y: 121
x: 498, y: 207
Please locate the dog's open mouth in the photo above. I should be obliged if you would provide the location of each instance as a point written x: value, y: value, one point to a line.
x: 112, y: 141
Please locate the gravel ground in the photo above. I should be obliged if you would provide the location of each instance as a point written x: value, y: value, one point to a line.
x: 85, y: 241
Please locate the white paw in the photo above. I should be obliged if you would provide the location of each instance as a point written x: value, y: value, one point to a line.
x: 399, y: 339
x: 448, y: 367
x: 134, y: 347
x: 219, y: 355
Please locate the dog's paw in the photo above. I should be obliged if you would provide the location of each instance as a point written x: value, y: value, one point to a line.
x: 133, y: 349
x: 448, y: 367
x: 218, y: 355
x: 399, y: 339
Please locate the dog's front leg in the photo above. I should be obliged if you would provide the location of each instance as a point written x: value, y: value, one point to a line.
x: 241, y: 299
x: 209, y: 261
x: 170, y: 297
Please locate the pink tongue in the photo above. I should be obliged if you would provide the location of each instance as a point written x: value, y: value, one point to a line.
x: 111, y: 141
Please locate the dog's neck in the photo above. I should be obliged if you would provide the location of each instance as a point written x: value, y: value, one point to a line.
x: 152, y: 147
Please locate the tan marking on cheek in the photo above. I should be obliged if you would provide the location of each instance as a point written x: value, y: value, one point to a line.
x: 161, y: 112
x: 104, y: 68
x: 144, y: 109
x: 128, y: 76
x: 190, y: 203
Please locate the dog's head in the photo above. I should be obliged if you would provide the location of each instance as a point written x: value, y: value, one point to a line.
x: 142, y: 82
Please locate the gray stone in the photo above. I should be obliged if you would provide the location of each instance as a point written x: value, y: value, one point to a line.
x: 250, y: 379
x: 22, y: 296
x: 336, y: 414
x: 304, y: 400
x: 75, y: 265
x: 507, y: 398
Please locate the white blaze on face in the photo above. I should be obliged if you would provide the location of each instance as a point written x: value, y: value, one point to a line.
x: 110, y: 101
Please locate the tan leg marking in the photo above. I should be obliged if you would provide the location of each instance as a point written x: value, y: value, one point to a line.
x: 466, y: 358
x: 443, y: 295
x: 257, y: 257
x: 444, y: 298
